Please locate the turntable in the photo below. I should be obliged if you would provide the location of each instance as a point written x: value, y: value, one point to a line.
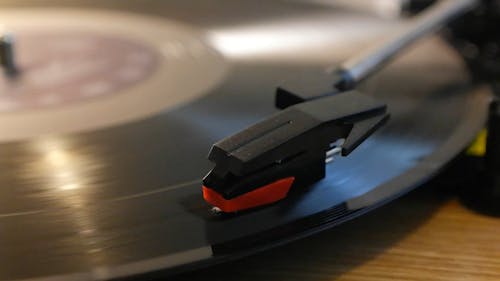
x: 108, y: 110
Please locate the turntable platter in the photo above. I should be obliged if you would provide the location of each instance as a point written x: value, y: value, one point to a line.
x: 123, y: 198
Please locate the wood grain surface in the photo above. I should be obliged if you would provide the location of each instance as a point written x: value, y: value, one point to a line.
x: 426, y: 235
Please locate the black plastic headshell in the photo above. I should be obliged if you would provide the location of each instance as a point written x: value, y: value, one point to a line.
x: 292, y: 143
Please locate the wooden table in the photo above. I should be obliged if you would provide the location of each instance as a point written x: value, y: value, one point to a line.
x: 426, y: 235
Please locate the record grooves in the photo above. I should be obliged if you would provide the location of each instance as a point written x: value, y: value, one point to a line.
x: 121, y: 198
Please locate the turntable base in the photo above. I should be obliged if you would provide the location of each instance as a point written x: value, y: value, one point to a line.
x: 423, y: 236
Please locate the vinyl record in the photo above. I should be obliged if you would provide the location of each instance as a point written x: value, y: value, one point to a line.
x: 109, y: 185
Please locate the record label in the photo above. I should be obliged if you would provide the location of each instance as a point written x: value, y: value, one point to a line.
x: 83, y: 70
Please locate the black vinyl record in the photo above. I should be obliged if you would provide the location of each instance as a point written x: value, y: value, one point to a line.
x: 104, y: 181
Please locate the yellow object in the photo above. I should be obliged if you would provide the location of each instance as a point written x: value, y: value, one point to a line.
x: 478, y: 147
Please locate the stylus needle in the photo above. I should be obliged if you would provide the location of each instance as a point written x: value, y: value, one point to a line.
x: 260, y: 164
